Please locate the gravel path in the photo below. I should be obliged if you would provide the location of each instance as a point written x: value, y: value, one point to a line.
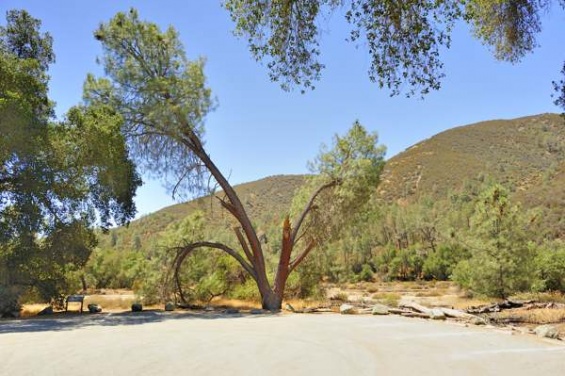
x: 153, y: 343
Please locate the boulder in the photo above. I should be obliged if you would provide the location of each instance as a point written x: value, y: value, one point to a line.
x: 547, y: 331
x: 288, y: 307
x: 231, y: 311
x: 256, y: 311
x: 476, y: 320
x: 380, y: 309
x: 136, y: 307
x: 94, y: 308
x: 437, y: 314
x: 46, y: 311
x: 170, y: 306
x: 346, y: 309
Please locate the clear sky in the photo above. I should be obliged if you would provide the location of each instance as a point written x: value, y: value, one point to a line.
x: 259, y: 130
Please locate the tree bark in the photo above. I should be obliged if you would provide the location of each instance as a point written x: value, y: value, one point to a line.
x: 271, y: 300
x: 283, y: 269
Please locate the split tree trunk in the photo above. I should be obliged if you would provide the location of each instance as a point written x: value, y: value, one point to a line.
x: 253, y: 261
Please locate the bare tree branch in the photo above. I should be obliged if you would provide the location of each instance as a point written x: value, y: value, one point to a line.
x: 185, y: 250
x: 243, y: 243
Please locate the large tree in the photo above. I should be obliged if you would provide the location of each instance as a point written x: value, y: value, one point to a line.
x: 403, y: 38
x: 164, y: 100
x: 57, y: 179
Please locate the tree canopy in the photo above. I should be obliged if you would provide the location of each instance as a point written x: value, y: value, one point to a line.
x: 164, y: 100
x: 161, y: 95
x: 57, y: 179
x: 404, y: 38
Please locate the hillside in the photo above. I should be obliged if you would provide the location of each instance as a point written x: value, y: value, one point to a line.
x: 265, y: 200
x: 525, y: 153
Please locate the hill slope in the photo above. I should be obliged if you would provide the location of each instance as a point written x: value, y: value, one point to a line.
x: 525, y: 153
x: 266, y: 200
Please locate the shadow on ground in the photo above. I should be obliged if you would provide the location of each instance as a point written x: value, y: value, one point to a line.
x: 64, y: 322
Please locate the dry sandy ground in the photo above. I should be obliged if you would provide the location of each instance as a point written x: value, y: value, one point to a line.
x: 163, y: 343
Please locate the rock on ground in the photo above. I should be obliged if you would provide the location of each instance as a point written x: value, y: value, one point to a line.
x: 170, y: 306
x: 547, y: 331
x: 380, y: 309
x: 346, y: 309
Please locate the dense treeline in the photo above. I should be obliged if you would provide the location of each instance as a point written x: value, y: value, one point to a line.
x: 476, y: 237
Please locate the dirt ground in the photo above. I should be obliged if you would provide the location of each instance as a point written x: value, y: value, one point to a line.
x: 430, y: 294
x: 208, y: 343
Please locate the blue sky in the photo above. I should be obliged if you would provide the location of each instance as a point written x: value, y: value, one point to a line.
x: 259, y: 130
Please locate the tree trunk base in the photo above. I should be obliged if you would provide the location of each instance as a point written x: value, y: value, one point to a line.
x: 271, y: 301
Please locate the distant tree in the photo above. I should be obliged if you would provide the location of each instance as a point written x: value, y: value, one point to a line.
x: 403, y: 38
x: 164, y: 99
x: 502, y: 257
x: 559, y: 87
x: 57, y: 179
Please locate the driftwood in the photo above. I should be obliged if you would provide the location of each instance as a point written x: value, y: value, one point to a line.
x: 365, y: 310
x: 417, y: 308
x: 497, y: 307
x: 550, y: 305
x: 457, y: 314
x: 416, y: 314
x: 398, y: 311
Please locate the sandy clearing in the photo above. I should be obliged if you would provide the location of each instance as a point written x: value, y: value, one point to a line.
x: 155, y: 343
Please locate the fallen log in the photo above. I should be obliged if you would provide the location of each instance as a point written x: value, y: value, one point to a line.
x: 416, y: 307
x: 399, y: 311
x: 365, y: 310
x: 464, y: 316
x: 457, y: 314
x: 416, y: 314
x: 497, y: 307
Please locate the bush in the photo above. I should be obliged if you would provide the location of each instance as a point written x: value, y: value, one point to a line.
x: 246, y: 291
x: 439, y: 265
x: 366, y: 274
x: 550, y: 265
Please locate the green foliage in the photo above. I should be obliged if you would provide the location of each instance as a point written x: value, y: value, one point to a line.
x: 550, y: 264
x: 245, y: 291
x: 502, y: 260
x: 350, y: 171
x: 403, y: 38
x: 366, y: 273
x: 57, y: 180
x: 161, y: 95
x: 439, y: 264
x: 305, y: 282
x: 559, y: 87
x: 407, y: 264
x: 509, y: 27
